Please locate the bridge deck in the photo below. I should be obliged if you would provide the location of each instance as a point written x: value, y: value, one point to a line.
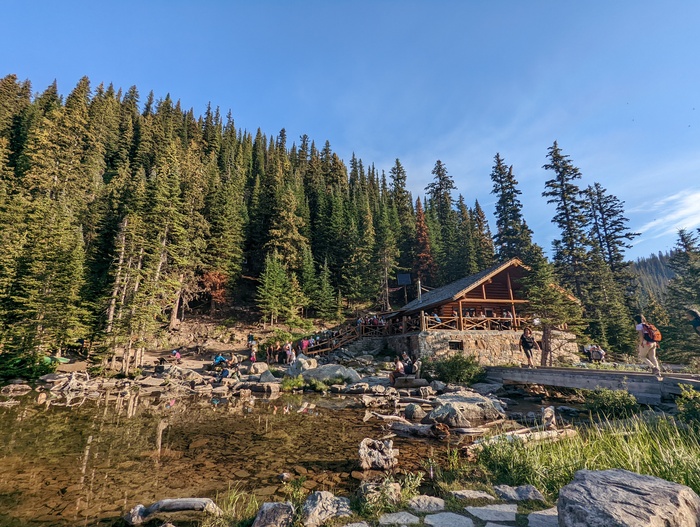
x: 645, y: 387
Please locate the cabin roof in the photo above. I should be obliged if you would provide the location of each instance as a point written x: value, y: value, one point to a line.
x: 456, y: 289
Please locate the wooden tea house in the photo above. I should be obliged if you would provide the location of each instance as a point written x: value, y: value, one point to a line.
x: 489, y: 300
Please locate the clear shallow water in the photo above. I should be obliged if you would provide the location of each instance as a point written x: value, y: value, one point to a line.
x: 88, y: 464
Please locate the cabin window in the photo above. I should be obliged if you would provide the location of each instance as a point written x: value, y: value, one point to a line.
x: 456, y: 345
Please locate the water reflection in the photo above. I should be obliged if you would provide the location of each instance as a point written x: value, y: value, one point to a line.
x: 87, y: 461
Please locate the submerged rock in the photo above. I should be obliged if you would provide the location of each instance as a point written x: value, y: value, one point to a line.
x: 377, y: 454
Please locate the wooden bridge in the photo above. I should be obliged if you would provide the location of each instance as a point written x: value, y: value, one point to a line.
x: 644, y: 386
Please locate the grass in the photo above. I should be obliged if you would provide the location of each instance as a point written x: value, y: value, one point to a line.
x: 239, y: 507
x: 657, y: 447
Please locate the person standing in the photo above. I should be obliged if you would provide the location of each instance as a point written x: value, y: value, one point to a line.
x: 646, y: 345
x: 528, y: 343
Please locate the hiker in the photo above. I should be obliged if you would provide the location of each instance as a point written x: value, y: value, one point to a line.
x: 693, y: 317
x: 528, y: 343
x: 647, y: 343
x: 176, y: 356
x: 399, y: 371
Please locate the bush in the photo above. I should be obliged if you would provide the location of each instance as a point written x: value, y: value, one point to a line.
x: 292, y: 383
x: 611, y: 404
x: 457, y: 368
x: 689, y: 405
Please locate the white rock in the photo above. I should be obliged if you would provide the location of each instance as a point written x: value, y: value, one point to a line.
x: 323, y: 505
x: 399, y: 518
x: 448, y: 519
x: 425, y: 503
x: 521, y: 493
x: 495, y: 513
x: 472, y: 495
x: 545, y: 518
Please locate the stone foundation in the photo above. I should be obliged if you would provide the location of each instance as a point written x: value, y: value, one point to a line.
x: 491, y: 348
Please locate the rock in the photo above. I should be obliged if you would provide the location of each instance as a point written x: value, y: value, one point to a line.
x: 426, y: 391
x: 275, y: 515
x: 331, y: 371
x: 302, y: 364
x: 377, y: 454
x: 568, y: 411
x: 548, y: 418
x: 285, y: 477
x: 410, y: 382
x: 545, y: 518
x: 358, y: 524
x: 357, y: 388
x: 398, y: 518
x: 414, y: 412
x: 258, y: 367
x: 485, y: 388
x: 425, y: 503
x: 495, y: 513
x: 449, y: 415
x: 267, y: 376
x: 472, y: 495
x: 521, y: 493
x: 54, y: 377
x: 384, y: 489
x: 472, y: 405
x: 16, y: 389
x: 619, y: 498
x: 150, y: 381
x: 323, y: 505
x: 448, y: 519
x: 438, y: 386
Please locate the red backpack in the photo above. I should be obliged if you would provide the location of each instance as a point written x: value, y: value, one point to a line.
x: 651, y: 333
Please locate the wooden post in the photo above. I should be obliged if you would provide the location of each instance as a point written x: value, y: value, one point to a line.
x: 422, y: 321
x: 461, y: 321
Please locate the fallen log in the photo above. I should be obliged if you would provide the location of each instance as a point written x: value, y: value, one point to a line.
x: 410, y: 429
x: 417, y: 400
x: 394, y: 418
x: 140, y: 514
x: 525, y: 435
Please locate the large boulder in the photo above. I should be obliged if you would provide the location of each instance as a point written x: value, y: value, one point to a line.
x: 472, y: 405
x: 257, y: 368
x: 414, y: 412
x: 302, y: 364
x: 447, y: 414
x: 323, y: 505
x: 331, y: 371
x: 619, y: 498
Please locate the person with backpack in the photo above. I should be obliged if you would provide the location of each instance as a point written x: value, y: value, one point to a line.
x: 648, y: 338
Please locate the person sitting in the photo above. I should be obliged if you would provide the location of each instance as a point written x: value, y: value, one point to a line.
x: 407, y: 363
x: 177, y: 358
x: 436, y: 317
x: 596, y: 353
x: 220, y: 360
x: 399, y: 371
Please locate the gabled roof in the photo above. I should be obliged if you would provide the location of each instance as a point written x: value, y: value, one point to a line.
x: 456, y: 289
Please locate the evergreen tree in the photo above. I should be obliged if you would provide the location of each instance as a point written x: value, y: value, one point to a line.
x: 550, y: 303
x: 608, y: 228
x: 483, y: 242
x: 513, y: 238
x: 324, y: 300
x: 274, y: 285
x: 424, y: 265
x: 570, y: 251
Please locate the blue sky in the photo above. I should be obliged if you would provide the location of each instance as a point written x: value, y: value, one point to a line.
x: 617, y: 84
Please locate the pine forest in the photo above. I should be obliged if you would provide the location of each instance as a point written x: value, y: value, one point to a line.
x: 119, y: 216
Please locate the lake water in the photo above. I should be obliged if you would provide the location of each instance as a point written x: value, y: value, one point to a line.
x: 87, y: 464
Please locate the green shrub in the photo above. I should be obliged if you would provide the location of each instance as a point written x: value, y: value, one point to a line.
x: 292, y: 383
x: 611, y: 404
x: 457, y: 368
x: 239, y: 509
x: 689, y: 404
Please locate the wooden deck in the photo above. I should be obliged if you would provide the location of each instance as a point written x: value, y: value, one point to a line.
x: 645, y: 387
